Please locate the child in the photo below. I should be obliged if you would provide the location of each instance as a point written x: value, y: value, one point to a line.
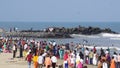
x: 29, y: 59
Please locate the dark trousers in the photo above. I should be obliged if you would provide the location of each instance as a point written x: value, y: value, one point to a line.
x: 53, y: 65
x: 91, y: 60
x: 118, y: 65
x: 14, y: 54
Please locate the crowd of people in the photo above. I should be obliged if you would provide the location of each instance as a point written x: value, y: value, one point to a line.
x: 47, y: 53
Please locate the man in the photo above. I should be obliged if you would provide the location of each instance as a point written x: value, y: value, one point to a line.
x: 14, y: 50
x: 54, y: 61
x: 40, y: 61
x: 91, y: 57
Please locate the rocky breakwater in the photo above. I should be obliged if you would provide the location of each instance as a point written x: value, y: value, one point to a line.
x: 59, y: 32
x: 38, y: 35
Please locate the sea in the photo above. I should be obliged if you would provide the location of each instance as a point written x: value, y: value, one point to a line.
x: 103, y: 39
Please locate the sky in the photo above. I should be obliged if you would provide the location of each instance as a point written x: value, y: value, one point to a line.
x: 60, y: 10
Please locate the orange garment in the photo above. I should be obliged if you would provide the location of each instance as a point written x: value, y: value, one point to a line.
x: 99, y: 64
x: 47, y: 61
x: 35, y: 59
x: 112, y: 64
x: 35, y: 64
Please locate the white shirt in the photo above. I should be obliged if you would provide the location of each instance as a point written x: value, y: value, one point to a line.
x: 86, y: 52
x: 25, y: 46
x: 115, y: 58
x: 104, y: 65
x: 13, y: 47
x: 44, y: 54
x: 54, y: 59
x: 72, y: 60
x: 40, y: 59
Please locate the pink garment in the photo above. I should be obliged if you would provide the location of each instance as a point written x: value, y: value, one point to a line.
x: 65, y: 56
x: 80, y: 65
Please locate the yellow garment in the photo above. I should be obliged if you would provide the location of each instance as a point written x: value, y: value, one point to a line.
x: 24, y: 53
x: 77, y: 61
x: 35, y: 58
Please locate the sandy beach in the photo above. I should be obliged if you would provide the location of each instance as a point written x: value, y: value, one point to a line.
x: 6, y: 62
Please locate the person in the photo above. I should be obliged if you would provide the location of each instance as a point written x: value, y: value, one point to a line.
x: 66, y: 56
x: 80, y: 65
x: 54, y: 61
x: 29, y: 59
x: 81, y: 55
x: 61, y: 51
x: 94, y: 49
x: 99, y: 64
x: 91, y: 57
x: 14, y: 50
x: 95, y: 59
x: 21, y: 51
x: 108, y: 59
x: 115, y: 58
x: 113, y: 65
x: 35, y: 60
x: 86, y: 55
x: 104, y: 65
x: 72, y: 61
x: 40, y: 61
x: 119, y: 60
x: 47, y: 61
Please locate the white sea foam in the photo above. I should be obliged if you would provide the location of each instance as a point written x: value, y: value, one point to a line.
x: 88, y: 36
x: 99, y: 47
x: 115, y: 38
x: 110, y: 35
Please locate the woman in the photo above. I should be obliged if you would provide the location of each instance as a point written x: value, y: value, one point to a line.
x: 112, y: 63
x: 61, y: 51
x: 35, y: 60
x: 47, y: 61
x: 95, y: 59
x: 99, y: 64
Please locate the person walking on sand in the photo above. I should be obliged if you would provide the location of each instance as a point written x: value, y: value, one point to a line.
x: 40, y: 61
x: 54, y: 61
x: 35, y: 60
x: 104, y: 64
x: 95, y: 59
x: 113, y: 65
x: 21, y: 51
x: 14, y: 50
x: 47, y: 61
x: 29, y: 59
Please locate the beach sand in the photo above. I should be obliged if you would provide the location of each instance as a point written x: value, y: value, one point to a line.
x: 7, y: 62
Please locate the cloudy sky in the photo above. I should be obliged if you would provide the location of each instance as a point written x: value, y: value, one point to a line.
x: 60, y: 10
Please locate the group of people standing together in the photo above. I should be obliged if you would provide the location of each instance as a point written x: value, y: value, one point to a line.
x: 44, y: 53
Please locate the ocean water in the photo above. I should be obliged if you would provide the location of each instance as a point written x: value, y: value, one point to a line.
x: 98, y: 40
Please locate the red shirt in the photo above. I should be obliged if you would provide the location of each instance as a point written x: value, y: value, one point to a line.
x: 65, y: 56
x: 29, y: 57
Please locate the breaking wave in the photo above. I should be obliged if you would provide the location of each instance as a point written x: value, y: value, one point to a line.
x: 104, y: 35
